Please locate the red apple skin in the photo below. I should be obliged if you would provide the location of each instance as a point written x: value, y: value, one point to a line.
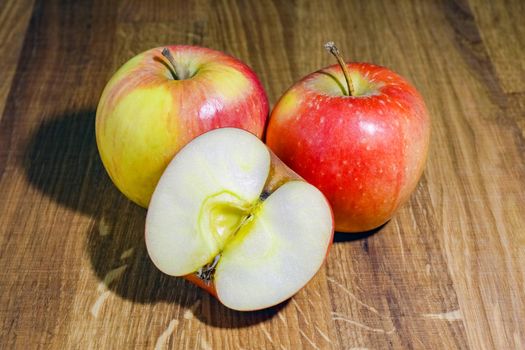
x: 208, y: 287
x: 145, y: 117
x: 366, y: 152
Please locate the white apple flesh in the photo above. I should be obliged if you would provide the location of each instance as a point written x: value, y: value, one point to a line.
x: 229, y: 214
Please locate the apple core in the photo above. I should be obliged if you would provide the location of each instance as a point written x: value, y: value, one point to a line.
x: 221, y: 215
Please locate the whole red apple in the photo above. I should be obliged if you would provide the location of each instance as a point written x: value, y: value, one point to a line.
x: 358, y: 132
x: 163, y: 98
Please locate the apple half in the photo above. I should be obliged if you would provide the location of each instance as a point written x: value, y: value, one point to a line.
x: 229, y: 216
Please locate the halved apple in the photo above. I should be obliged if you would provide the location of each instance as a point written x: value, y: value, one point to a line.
x: 229, y: 216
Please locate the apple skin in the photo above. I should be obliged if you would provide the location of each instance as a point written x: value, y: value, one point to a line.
x: 145, y: 117
x: 365, y: 152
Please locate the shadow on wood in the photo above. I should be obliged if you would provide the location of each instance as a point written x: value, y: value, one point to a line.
x: 62, y: 161
x: 340, y: 237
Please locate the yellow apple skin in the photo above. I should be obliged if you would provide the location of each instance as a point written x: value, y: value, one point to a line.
x: 145, y: 115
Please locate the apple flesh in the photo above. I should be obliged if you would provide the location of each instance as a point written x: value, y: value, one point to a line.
x: 153, y: 106
x: 232, y: 218
x: 365, y: 152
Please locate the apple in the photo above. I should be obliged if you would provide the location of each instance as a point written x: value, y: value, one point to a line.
x: 229, y: 216
x: 163, y: 98
x: 358, y: 132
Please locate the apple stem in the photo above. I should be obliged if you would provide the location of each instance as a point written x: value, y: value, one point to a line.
x: 330, y: 46
x: 166, y: 53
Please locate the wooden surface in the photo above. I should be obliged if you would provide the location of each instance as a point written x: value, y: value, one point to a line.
x: 447, y: 272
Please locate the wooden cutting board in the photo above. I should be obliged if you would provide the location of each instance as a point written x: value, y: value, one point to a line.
x: 447, y: 272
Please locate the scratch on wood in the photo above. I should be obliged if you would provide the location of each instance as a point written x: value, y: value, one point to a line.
x: 127, y: 253
x: 103, y: 289
x: 98, y: 303
x: 197, y: 340
x: 420, y: 342
x: 308, y: 339
x: 205, y: 345
x: 323, y: 335
x: 300, y: 311
x: 338, y: 317
x: 103, y: 227
x: 266, y: 333
x: 311, y: 303
x: 281, y: 317
x: 163, y: 338
x: 111, y: 276
x: 400, y: 239
x: 371, y: 308
x: 188, y: 314
x: 454, y: 315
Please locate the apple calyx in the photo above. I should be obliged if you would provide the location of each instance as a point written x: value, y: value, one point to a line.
x: 177, y: 71
x: 330, y: 46
x: 206, y: 272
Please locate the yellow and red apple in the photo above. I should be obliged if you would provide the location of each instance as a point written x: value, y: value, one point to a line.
x: 365, y: 150
x: 163, y: 98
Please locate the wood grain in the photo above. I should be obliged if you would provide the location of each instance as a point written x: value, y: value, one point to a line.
x: 447, y: 272
x: 14, y: 16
